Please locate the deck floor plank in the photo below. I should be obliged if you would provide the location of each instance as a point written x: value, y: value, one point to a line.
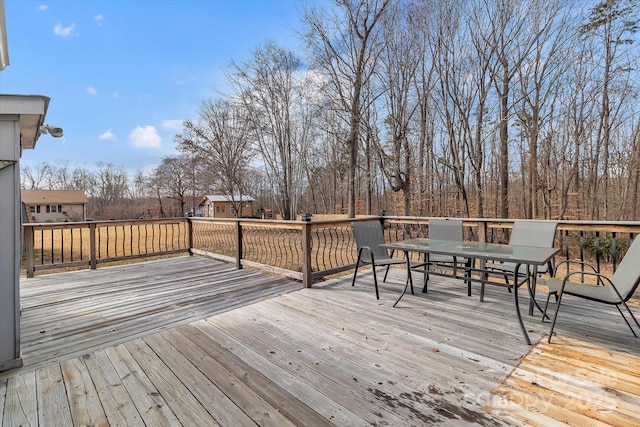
x: 85, y: 405
x: 291, y: 374
x: 3, y: 393
x: 118, y: 405
x: 21, y: 401
x: 193, y: 341
x: 182, y: 402
x: 575, y: 395
x: 288, y: 404
x: 445, y: 327
x: 223, y: 409
x: 311, y: 364
x: 152, y: 407
x: 246, y: 398
x: 53, y: 405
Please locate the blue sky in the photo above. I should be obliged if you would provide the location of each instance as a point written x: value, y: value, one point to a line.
x: 122, y: 75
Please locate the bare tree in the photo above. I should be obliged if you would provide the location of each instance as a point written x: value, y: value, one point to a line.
x: 455, y: 99
x: 347, y: 44
x: 270, y: 86
x: 221, y: 140
x: 83, y: 178
x: 425, y: 118
x: 327, y: 161
x: 175, y: 180
x: 111, y: 185
x: 510, y: 39
x: 400, y: 60
x: 634, y: 169
x: 34, y: 178
x: 612, y: 23
x: 539, y: 80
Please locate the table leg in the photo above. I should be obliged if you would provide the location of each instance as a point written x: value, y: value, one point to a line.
x: 517, y: 303
x: 532, y: 289
x: 409, y: 279
x: 484, y: 276
x: 532, y: 294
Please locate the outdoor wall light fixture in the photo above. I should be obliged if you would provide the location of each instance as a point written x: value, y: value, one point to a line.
x: 54, y: 131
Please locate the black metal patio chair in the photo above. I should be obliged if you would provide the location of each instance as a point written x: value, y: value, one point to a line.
x: 616, y: 290
x: 451, y: 230
x: 525, y: 233
x: 369, y: 236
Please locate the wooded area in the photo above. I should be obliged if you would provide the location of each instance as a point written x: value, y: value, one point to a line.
x: 476, y: 108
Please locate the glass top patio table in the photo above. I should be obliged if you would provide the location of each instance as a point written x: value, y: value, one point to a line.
x: 525, y: 256
x: 529, y: 255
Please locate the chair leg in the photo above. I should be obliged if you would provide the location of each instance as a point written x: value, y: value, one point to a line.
x: 425, y: 274
x: 353, y: 282
x: 544, y: 312
x: 386, y: 272
x: 467, y: 274
x: 625, y: 319
x: 375, y: 280
x: 555, y: 317
x: 425, y: 288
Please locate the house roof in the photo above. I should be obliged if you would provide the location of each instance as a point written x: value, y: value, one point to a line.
x: 224, y: 198
x: 46, y: 197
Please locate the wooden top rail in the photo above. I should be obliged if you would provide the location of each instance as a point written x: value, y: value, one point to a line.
x: 98, y: 224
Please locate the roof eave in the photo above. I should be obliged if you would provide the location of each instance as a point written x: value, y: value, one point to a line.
x: 4, y: 46
x: 32, y: 110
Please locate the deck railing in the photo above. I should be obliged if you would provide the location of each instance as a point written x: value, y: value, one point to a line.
x: 306, y: 250
x: 87, y: 244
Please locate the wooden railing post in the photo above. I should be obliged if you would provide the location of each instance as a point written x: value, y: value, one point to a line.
x: 381, y: 214
x: 306, y: 251
x: 238, y: 245
x: 28, y: 242
x: 190, y: 232
x: 482, y: 231
x: 92, y: 245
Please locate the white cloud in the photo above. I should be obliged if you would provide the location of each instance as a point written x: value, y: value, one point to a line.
x: 91, y: 90
x: 43, y: 7
x: 115, y: 95
x: 61, y: 31
x: 145, y: 137
x: 172, y: 124
x: 98, y: 19
x: 108, y: 136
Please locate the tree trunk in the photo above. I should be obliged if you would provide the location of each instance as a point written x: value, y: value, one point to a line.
x: 504, y: 143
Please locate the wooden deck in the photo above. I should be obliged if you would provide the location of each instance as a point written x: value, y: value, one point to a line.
x: 191, y: 341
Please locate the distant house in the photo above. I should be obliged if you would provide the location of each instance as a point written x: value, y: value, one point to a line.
x: 220, y: 206
x: 54, y: 205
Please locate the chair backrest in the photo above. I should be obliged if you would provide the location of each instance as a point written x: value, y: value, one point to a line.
x: 533, y: 233
x: 445, y: 229
x: 370, y: 234
x: 627, y: 275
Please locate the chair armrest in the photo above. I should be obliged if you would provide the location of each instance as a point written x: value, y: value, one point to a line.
x: 601, y: 278
x: 570, y: 261
x: 362, y: 249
